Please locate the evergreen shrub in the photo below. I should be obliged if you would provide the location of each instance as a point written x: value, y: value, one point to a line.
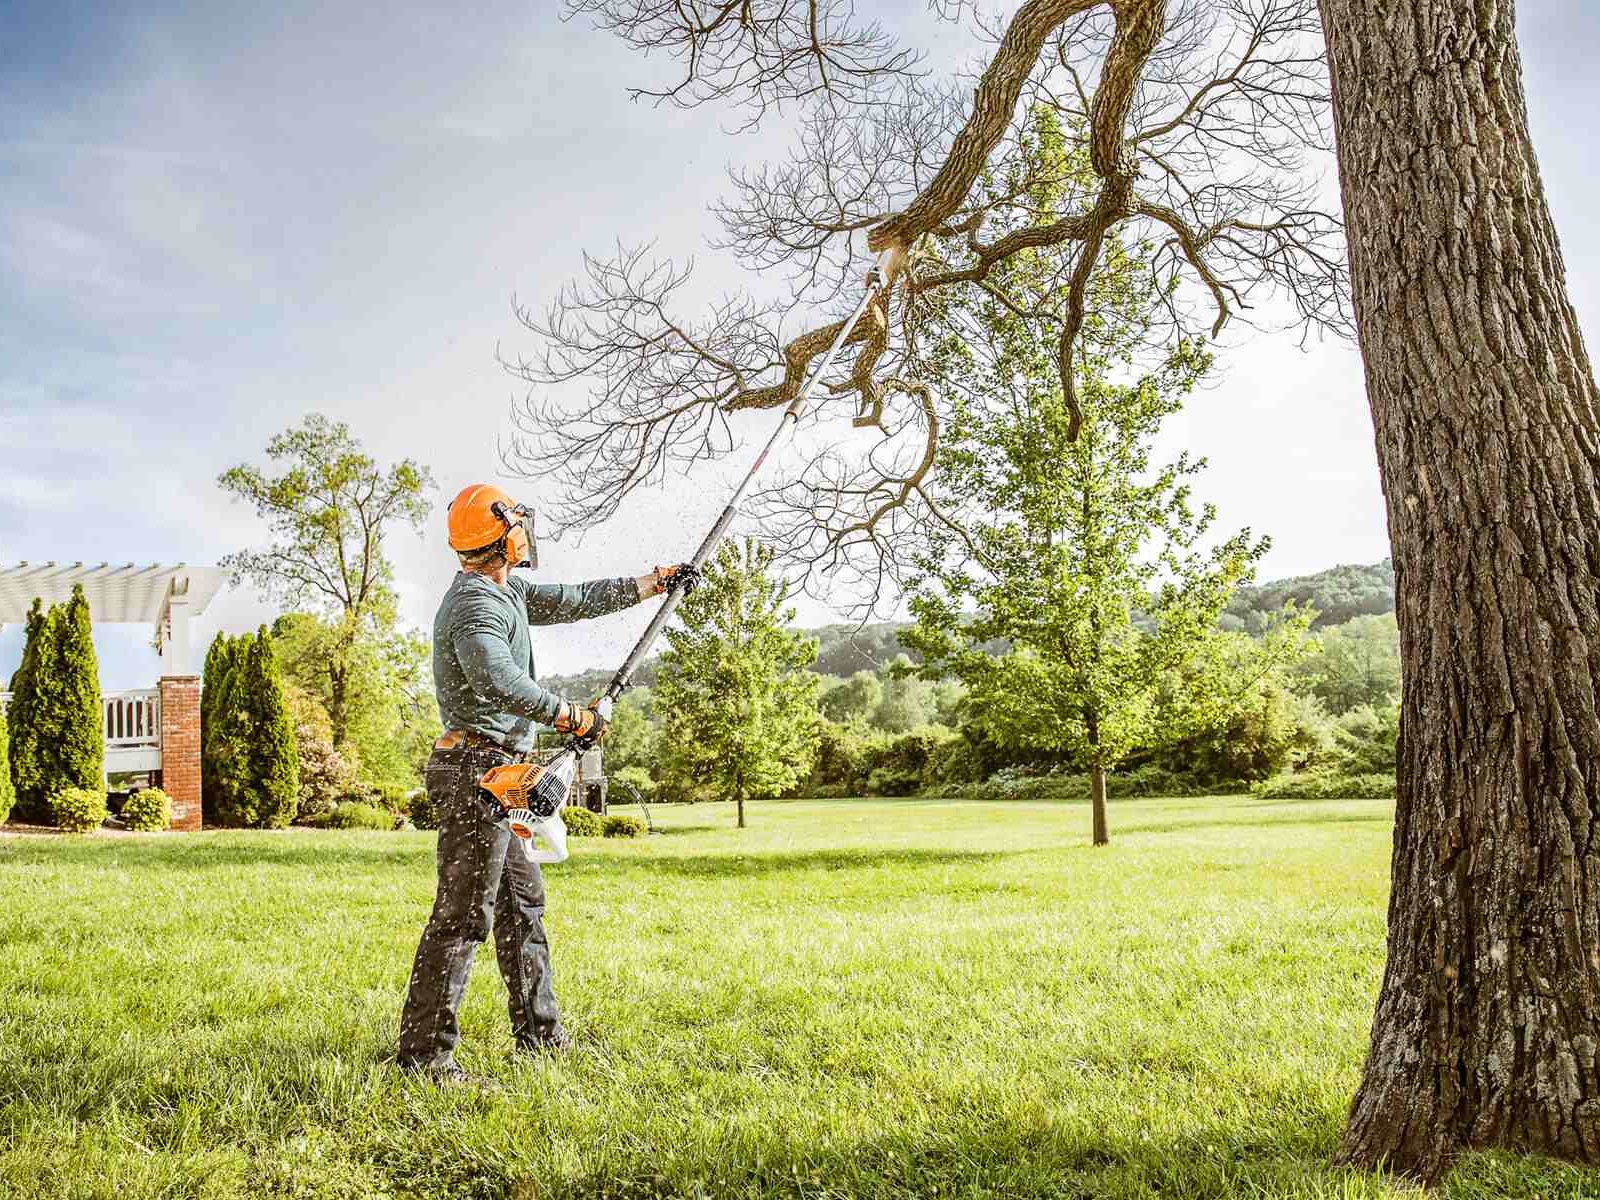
x: 580, y: 822
x: 358, y: 814
x: 1326, y: 785
x: 79, y: 810
x: 147, y: 811
x: 621, y: 825
x: 8, y: 791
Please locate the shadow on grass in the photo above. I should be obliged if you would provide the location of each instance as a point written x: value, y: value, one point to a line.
x: 736, y: 864
x: 1382, y: 819
x: 228, y: 851
x: 1010, y: 1157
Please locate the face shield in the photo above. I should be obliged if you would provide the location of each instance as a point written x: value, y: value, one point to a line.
x: 521, y: 548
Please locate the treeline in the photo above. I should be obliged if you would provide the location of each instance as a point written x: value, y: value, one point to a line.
x: 1335, y: 596
x: 1326, y: 720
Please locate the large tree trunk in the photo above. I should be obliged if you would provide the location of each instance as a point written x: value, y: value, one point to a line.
x: 1484, y: 405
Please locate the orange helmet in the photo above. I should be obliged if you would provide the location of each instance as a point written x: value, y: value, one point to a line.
x: 482, y: 516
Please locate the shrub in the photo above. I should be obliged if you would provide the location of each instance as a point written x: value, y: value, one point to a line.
x: 149, y: 811
x: 358, y: 814
x: 424, y: 812
x: 581, y: 822
x: 328, y: 774
x: 637, y: 778
x: 620, y: 825
x: 1364, y: 740
x: 79, y: 810
x: 1326, y: 785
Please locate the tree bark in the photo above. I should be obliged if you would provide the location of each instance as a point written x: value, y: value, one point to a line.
x: 1097, y: 802
x: 1484, y: 406
x: 739, y: 801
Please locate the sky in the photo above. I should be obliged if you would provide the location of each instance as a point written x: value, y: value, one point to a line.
x: 216, y: 218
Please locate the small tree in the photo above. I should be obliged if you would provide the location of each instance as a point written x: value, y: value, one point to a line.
x: 329, y: 510
x: 741, y: 719
x: 1079, y: 552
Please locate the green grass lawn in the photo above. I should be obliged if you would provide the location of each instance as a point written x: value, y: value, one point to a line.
x: 910, y: 999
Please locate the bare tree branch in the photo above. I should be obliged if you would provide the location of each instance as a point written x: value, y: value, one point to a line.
x: 1192, y: 121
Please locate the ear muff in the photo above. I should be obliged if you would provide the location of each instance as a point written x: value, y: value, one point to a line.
x: 522, y: 550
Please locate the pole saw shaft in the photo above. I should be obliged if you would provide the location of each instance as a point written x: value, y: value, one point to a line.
x: 786, y: 428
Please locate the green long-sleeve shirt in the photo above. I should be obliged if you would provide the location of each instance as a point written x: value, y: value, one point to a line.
x: 483, y: 670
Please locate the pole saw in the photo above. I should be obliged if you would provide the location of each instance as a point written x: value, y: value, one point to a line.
x: 532, y: 795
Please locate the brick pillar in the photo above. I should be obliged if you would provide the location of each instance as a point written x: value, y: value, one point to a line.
x: 180, y: 748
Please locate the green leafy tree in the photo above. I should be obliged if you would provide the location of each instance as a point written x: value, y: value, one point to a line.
x: 385, y: 685
x: 634, y: 735
x: 1357, y: 663
x: 908, y: 701
x: 739, y: 705
x: 851, y: 700
x: 329, y: 507
x: 1079, y: 552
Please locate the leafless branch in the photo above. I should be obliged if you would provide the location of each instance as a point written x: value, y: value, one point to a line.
x: 1197, y: 121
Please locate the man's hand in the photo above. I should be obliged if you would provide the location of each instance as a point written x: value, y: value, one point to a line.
x: 585, y: 723
x: 686, y: 576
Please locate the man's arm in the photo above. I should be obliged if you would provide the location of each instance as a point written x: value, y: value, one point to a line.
x: 485, y: 659
x: 556, y: 603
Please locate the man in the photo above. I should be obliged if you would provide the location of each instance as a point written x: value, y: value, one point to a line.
x: 491, y: 708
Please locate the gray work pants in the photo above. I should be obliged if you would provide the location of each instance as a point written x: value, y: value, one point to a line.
x: 483, y: 879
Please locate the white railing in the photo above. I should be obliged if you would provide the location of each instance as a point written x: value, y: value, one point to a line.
x: 133, y: 719
x: 132, y: 723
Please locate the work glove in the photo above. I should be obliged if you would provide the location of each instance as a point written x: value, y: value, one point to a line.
x: 585, y: 724
x: 684, y: 575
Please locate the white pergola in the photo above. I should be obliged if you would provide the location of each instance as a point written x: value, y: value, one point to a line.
x: 164, y: 597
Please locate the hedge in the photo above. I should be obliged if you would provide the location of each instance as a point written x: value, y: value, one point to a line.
x: 1325, y: 785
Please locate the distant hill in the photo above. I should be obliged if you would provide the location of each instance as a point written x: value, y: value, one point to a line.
x: 1337, y: 594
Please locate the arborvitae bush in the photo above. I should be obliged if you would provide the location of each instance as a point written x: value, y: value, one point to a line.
x: 57, y: 729
x: 147, y: 811
x: 621, y: 825
x: 8, y: 793
x: 581, y: 822
x: 29, y: 768
x: 79, y: 810
x: 255, y: 767
x: 78, y: 722
x: 213, y: 688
